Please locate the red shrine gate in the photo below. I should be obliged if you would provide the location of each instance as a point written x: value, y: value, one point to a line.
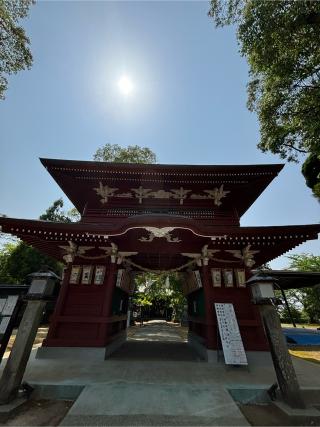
x: 156, y: 217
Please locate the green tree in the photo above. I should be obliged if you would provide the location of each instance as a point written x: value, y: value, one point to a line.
x: 74, y: 215
x: 311, y: 172
x: 15, y: 54
x: 309, y: 297
x: 17, y: 260
x: 21, y: 260
x: 5, y: 254
x: 55, y: 213
x: 152, y: 288
x: 280, y: 40
x: 131, y: 154
x: 304, y: 262
x: 297, y: 314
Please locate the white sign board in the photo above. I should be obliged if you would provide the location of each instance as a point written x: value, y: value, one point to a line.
x: 198, y: 278
x: 119, y: 277
x: 232, y: 345
x: 2, y: 303
x: 10, y: 305
x: 4, y: 324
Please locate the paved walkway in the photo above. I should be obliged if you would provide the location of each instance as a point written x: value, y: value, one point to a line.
x: 180, y: 390
x: 148, y: 402
x: 156, y: 340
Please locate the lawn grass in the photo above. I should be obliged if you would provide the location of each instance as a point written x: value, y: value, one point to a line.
x: 311, y: 354
x: 301, y: 325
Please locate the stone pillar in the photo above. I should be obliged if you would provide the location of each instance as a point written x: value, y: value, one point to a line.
x: 262, y: 287
x: 282, y: 361
x: 18, y: 359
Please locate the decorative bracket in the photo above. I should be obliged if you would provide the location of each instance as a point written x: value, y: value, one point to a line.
x: 105, y: 192
x: 203, y: 257
x: 245, y: 254
x: 73, y: 251
x: 141, y: 193
x: 116, y: 256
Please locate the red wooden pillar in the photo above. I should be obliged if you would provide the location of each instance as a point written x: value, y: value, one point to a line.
x: 60, y: 303
x: 209, y: 307
x: 105, y: 328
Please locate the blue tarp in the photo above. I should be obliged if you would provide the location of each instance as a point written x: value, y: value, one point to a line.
x: 302, y: 339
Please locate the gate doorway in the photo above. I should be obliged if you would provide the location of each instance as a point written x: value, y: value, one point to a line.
x: 157, y: 340
x: 157, y: 329
x: 158, y: 297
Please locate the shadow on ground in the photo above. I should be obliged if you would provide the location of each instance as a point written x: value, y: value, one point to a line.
x: 164, y: 351
x: 156, y: 340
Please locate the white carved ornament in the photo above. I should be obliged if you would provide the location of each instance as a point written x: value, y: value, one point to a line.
x: 203, y: 257
x: 73, y: 251
x: 215, y: 194
x: 246, y: 255
x: 155, y: 232
x: 116, y: 256
x: 105, y: 192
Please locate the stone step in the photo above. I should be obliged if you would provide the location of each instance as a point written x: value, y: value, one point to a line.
x: 134, y: 403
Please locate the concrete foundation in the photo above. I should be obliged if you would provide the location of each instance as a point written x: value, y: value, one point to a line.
x: 115, y: 344
x: 198, y: 344
x: 82, y: 353
x: 57, y: 391
x: 73, y: 353
x: 250, y: 395
x: 10, y: 408
x: 298, y: 414
x: 255, y: 358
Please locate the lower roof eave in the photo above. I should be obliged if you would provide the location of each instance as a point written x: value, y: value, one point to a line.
x: 111, y: 228
x: 50, y: 237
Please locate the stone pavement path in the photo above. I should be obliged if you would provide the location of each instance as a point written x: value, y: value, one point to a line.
x: 145, y: 401
x: 157, y: 330
x: 126, y: 404
x: 157, y: 340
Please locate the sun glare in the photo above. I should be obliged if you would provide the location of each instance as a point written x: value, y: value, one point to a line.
x: 125, y: 85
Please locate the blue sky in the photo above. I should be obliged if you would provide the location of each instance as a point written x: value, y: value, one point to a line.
x: 188, y: 104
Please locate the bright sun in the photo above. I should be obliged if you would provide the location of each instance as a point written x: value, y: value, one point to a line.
x: 125, y: 85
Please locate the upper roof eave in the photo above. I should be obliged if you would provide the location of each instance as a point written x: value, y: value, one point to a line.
x: 92, y: 165
x: 74, y: 176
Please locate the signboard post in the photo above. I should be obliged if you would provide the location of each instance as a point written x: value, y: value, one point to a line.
x: 8, y: 313
x: 232, y: 344
x: 262, y: 289
x: 41, y: 290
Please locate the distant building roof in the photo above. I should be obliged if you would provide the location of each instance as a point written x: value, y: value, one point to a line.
x: 288, y: 279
